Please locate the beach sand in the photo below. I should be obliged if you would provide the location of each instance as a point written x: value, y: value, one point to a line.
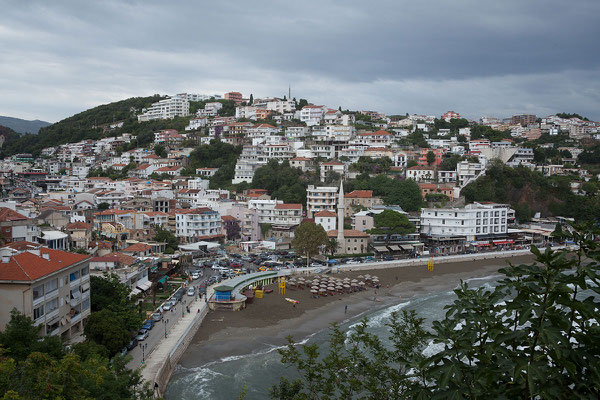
x: 268, y: 321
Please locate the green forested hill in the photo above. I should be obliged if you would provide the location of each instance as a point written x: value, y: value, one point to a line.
x: 84, y: 125
x: 529, y: 192
x: 22, y: 125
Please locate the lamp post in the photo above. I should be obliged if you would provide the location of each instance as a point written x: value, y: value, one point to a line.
x: 165, y: 322
x: 143, y: 346
x: 182, y: 308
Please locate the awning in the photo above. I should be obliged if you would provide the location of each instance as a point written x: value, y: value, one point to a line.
x: 406, y: 247
x: 144, y: 286
x: 381, y: 249
x: 394, y: 248
x: 135, y: 291
x: 504, y: 241
x: 163, y: 279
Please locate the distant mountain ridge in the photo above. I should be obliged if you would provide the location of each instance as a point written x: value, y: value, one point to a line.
x: 22, y: 125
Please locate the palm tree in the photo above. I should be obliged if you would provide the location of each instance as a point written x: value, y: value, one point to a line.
x: 331, y: 246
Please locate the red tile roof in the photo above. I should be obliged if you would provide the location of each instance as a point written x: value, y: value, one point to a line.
x: 362, y: 194
x: 348, y: 233
x: 137, y: 247
x: 78, y: 225
x: 27, y: 266
x: 288, y: 207
x: 6, y: 214
x: 325, y: 213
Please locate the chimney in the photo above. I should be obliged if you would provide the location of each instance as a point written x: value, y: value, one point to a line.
x: 5, y: 258
x: 46, y: 256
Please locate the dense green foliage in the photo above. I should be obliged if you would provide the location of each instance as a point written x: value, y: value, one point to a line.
x: 571, y: 115
x: 405, y: 193
x: 390, y: 222
x: 533, y: 336
x: 486, y: 132
x: 369, y: 165
x: 88, y: 125
x: 454, y: 125
x: 282, y: 181
x: 40, y: 368
x: 308, y: 239
x: 228, y: 109
x: 590, y: 155
x: 166, y: 236
x: 114, y: 318
x: 216, y: 155
x: 552, y: 196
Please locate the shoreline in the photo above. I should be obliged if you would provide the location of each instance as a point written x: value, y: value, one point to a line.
x: 265, y: 324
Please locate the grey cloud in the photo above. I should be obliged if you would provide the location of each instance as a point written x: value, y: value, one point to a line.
x: 397, y: 56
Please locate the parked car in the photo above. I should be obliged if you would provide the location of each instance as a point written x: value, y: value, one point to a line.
x: 132, y: 343
x: 195, y: 275
x: 316, y: 264
x: 167, y: 306
x: 179, y: 294
x: 148, y: 324
x: 191, y: 291
x: 388, y: 258
x: 235, y: 265
x: 352, y: 262
x: 156, y: 316
x: 142, y: 334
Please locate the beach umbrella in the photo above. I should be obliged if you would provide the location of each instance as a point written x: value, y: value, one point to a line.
x: 361, y: 283
x: 346, y: 286
x: 354, y: 284
x: 353, y: 281
x: 360, y: 277
x: 322, y: 290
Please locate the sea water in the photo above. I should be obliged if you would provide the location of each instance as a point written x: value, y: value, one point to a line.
x: 258, y: 371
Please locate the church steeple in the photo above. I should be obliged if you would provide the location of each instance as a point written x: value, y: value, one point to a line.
x: 340, y: 211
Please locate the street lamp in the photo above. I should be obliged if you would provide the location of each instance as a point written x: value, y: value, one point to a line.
x: 166, y: 321
x: 143, y: 346
x: 182, y: 308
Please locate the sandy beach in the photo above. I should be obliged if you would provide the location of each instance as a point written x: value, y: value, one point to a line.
x: 268, y: 321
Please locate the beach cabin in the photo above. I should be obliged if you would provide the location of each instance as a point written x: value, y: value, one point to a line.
x: 223, y: 293
x: 225, y: 299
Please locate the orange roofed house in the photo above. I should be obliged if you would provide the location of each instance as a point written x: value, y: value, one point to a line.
x: 358, y: 199
x: 50, y: 286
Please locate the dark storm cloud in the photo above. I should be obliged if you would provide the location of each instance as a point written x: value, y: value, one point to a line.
x: 395, y: 56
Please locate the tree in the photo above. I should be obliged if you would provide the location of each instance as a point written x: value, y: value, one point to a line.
x: 308, y: 239
x: 251, y: 100
x: 430, y: 157
x: 301, y: 103
x: 103, y: 206
x: 533, y: 336
x: 166, y: 236
x: 160, y: 151
x: 390, y: 222
x: 331, y: 246
x: 411, y: 163
x: 108, y: 328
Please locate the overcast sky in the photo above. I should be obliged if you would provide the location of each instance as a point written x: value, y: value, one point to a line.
x: 475, y: 57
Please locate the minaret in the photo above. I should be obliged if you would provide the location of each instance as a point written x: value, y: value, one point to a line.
x: 340, y: 210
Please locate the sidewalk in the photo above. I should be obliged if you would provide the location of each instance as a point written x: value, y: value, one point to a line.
x: 162, y: 351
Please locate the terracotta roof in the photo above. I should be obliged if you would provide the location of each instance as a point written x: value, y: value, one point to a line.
x: 288, y: 207
x: 136, y: 247
x: 421, y: 167
x: 325, y: 213
x: 378, y: 133
x: 6, y: 214
x: 78, y: 225
x: 23, y: 245
x: 121, y: 258
x: 228, y: 218
x: 27, y: 266
x: 348, y: 233
x: 154, y: 213
x: 355, y: 194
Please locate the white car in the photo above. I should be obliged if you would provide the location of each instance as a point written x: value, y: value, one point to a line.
x: 195, y: 275
x: 191, y: 291
x: 316, y: 264
x: 352, y: 262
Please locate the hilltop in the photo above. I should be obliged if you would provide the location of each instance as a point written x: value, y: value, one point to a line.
x: 89, y: 124
x: 22, y: 125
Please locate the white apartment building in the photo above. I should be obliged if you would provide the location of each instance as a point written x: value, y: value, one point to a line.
x: 281, y: 106
x: 287, y: 214
x: 210, y: 109
x: 468, y: 171
x: 277, y: 152
x: 375, y: 139
x: 199, y: 97
x: 312, y: 115
x: 297, y: 132
x: 248, y: 112
x: 50, y: 286
x: 265, y: 209
x: 197, y: 224
x: 166, y: 109
x: 333, y: 166
x: 420, y: 174
x: 320, y: 198
x: 474, y: 221
x: 196, y: 123
x: 252, y: 157
x: 262, y: 130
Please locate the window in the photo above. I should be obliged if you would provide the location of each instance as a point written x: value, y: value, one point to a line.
x: 495, y: 229
x: 443, y: 222
x: 485, y: 229
x: 478, y: 230
x: 38, y: 292
x: 52, y: 285
x: 478, y: 214
x: 85, y: 304
x: 52, y: 305
x: 478, y: 222
x: 38, y: 312
x: 485, y: 213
